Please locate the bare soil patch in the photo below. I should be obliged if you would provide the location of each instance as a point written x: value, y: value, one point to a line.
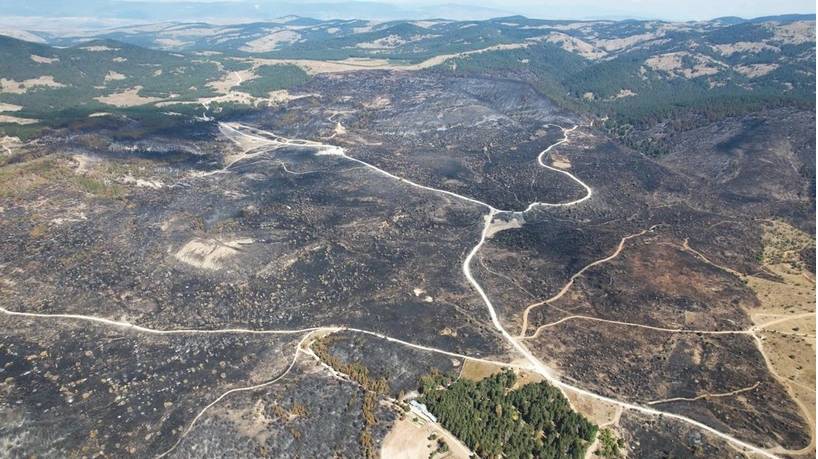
x: 210, y: 253
x: 127, y: 98
x: 21, y: 87
x: 409, y: 439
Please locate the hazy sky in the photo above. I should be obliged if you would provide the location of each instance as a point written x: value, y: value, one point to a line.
x: 665, y: 9
x: 378, y: 9
x: 662, y: 9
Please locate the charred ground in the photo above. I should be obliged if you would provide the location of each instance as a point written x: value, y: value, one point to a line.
x: 188, y: 230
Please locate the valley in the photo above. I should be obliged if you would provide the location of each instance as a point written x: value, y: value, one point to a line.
x: 280, y: 244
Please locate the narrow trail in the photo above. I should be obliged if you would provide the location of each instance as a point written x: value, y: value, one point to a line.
x: 535, y: 363
x: 630, y: 324
x: 332, y: 150
x: 393, y: 401
x: 204, y: 331
x: 153, y: 331
x: 788, y: 386
x: 588, y: 191
x: 781, y: 320
x: 507, y: 278
x: 233, y: 391
x: 567, y: 286
x: 705, y: 395
x: 686, y: 246
x: 806, y: 410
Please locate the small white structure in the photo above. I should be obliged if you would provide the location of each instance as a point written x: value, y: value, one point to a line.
x: 421, y: 410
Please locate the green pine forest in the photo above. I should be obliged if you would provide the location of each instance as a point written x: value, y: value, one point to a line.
x: 495, y: 420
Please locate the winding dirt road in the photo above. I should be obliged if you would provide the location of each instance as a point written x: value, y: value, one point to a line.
x: 573, y: 278
x: 534, y: 364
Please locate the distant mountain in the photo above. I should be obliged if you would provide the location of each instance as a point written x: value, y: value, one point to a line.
x: 225, y: 11
x: 733, y: 20
x: 634, y: 71
x: 783, y: 18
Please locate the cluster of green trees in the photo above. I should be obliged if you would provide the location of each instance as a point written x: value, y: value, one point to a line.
x: 494, y: 420
x: 274, y: 77
x: 678, y: 102
x: 610, y: 447
x: 105, y: 67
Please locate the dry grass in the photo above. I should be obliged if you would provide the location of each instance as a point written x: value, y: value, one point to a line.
x: 409, y: 439
x: 560, y: 162
x: 788, y: 344
x: 17, y: 120
x: 475, y: 371
x: 795, y: 293
x: 128, y: 98
x: 755, y: 70
x: 18, y: 179
x: 210, y: 254
x: 599, y: 412
x: 21, y: 87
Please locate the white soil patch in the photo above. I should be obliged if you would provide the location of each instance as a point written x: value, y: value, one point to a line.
x: 753, y: 47
x: 99, y: 48
x: 244, y: 142
x: 9, y: 143
x: 409, y: 439
x: 75, y: 216
x: 9, y: 107
x: 428, y: 24
x: 127, y: 98
x: 114, y: 76
x: 365, y: 29
x: 597, y: 411
x: 498, y: 225
x: 210, y: 253
x: 232, y: 79
x: 44, y: 60
x: 560, y: 162
x: 141, y: 183
x: 346, y: 65
x: 570, y: 26
x: 171, y: 43
x: 17, y: 120
x: 621, y: 43
x: 622, y: 94
x: 21, y: 87
x: 755, y: 70
x: 353, y: 64
x: 393, y: 41
x: 794, y: 33
x: 14, y: 32
x: 282, y: 96
x: 270, y: 41
x: 236, y: 97
x: 674, y: 64
x: 575, y: 45
x: 388, y: 42
x: 84, y: 163
x: 378, y: 102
